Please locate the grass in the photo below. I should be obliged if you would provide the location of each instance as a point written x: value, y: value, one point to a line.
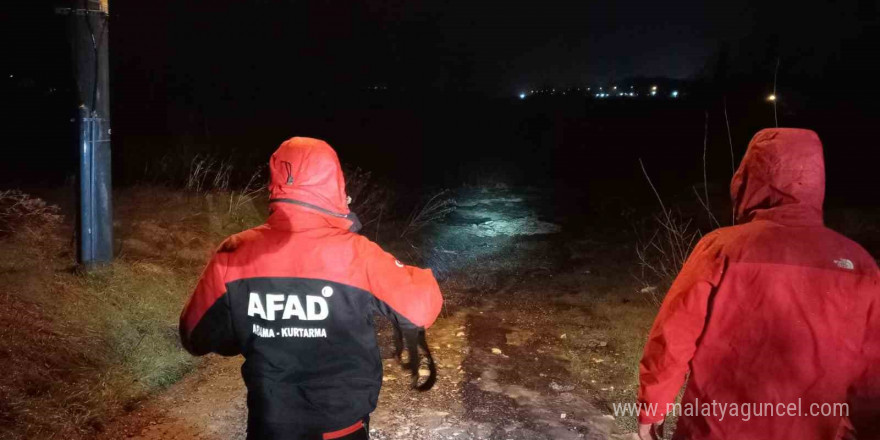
x: 606, y: 327
x: 135, y: 306
x: 80, y: 348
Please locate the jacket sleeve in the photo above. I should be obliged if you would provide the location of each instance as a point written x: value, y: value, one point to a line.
x: 673, y: 338
x: 406, y: 294
x: 206, y: 320
x: 864, y: 393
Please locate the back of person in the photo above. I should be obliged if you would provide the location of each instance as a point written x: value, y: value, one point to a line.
x: 787, y: 325
x: 296, y: 298
x: 778, y: 316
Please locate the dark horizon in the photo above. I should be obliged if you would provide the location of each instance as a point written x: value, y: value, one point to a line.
x: 494, y: 48
x: 405, y: 88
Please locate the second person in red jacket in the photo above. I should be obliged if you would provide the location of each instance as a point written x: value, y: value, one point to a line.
x: 777, y: 319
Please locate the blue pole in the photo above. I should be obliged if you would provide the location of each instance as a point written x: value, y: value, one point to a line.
x: 95, y: 232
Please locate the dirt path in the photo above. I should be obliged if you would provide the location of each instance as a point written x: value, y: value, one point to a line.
x: 208, y: 404
x: 497, y: 380
x: 504, y: 373
x: 522, y: 350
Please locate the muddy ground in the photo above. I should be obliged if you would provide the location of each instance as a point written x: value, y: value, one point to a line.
x: 541, y: 332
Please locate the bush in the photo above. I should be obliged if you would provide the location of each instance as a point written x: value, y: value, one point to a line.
x: 662, y: 254
x: 369, y: 199
x: 207, y: 173
x: 435, y: 209
x: 21, y: 213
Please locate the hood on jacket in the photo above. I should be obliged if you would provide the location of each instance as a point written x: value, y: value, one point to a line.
x: 781, y: 178
x: 305, y: 174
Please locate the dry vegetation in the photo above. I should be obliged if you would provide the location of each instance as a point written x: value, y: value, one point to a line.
x: 79, y: 348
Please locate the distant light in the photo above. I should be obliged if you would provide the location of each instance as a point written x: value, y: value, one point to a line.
x: 653, y: 88
x: 771, y: 98
x: 675, y: 93
x: 522, y: 96
x: 11, y: 75
x: 614, y: 88
x: 653, y: 93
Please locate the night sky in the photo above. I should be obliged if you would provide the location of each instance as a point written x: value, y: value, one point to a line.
x: 182, y: 66
x: 497, y: 47
x: 492, y: 46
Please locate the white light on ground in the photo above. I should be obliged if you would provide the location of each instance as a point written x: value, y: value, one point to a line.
x: 522, y: 96
x: 675, y: 93
x: 771, y: 98
x: 653, y: 93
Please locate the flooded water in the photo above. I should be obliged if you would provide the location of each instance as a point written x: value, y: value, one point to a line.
x: 500, y: 212
x: 491, y: 228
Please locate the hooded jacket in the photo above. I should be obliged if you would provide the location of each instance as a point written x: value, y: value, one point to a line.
x: 777, y: 310
x: 296, y: 297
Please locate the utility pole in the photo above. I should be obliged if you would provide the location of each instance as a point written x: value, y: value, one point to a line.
x: 88, y: 21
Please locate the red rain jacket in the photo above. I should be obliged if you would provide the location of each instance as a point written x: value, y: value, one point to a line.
x: 776, y: 310
x: 296, y: 297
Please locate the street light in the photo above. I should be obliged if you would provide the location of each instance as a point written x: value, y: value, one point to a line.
x: 771, y: 98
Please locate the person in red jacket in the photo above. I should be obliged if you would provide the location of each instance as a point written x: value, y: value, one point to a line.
x: 296, y: 297
x: 777, y: 319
